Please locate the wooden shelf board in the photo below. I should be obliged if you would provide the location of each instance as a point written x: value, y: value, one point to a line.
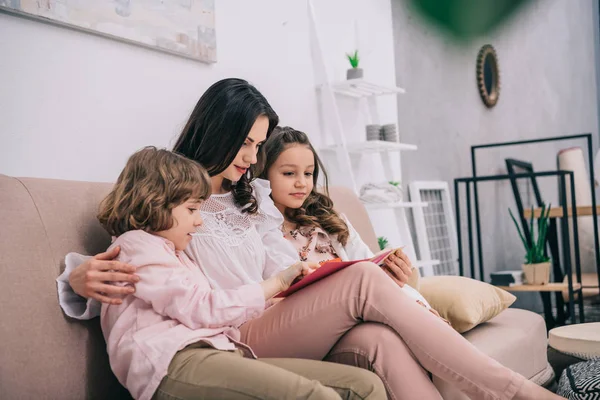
x: 557, y: 212
x: 550, y: 287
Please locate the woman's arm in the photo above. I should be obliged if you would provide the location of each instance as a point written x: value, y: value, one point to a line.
x: 89, y: 279
x: 83, y: 285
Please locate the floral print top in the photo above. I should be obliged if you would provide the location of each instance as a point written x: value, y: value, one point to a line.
x: 313, y: 244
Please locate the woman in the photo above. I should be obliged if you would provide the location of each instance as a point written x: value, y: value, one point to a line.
x: 241, y: 242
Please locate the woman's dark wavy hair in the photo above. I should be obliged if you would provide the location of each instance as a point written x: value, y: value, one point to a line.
x: 217, y: 128
x: 317, y: 209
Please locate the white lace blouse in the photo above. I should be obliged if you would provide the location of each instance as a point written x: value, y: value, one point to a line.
x: 232, y: 249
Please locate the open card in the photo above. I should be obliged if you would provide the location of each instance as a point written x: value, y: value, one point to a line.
x: 331, y: 267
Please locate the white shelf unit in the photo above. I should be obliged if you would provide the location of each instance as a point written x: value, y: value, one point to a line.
x: 372, y: 146
x: 400, y: 204
x: 360, y: 88
x: 348, y: 158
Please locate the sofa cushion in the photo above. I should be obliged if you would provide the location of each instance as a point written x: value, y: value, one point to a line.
x: 515, y: 338
x: 463, y: 301
x: 347, y: 203
x: 44, y: 354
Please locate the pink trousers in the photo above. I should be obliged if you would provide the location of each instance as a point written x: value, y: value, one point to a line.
x: 358, y: 316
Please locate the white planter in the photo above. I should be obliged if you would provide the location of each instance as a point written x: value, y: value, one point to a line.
x: 537, y: 274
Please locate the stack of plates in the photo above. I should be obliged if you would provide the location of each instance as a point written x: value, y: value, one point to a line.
x: 389, y: 133
x: 373, y: 132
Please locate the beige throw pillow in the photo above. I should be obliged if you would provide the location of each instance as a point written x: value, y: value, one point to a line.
x: 465, y: 302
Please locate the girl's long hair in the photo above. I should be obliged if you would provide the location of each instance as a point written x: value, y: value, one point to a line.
x: 317, y: 209
x: 217, y: 128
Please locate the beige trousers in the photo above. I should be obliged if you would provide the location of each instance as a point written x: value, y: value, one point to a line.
x: 200, y: 372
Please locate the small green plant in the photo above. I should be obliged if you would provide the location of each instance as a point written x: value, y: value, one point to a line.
x: 353, y: 58
x: 383, y: 242
x: 394, y: 183
x: 535, y: 249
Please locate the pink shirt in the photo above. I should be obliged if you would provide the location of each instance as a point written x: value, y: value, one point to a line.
x: 173, y: 306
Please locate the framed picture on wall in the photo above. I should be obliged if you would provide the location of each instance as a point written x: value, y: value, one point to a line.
x: 181, y: 27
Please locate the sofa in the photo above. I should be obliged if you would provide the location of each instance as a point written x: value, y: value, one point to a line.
x: 46, y: 355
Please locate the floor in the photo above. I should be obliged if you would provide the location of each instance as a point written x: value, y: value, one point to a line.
x: 591, y: 310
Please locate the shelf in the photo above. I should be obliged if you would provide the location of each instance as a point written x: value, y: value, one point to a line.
x: 557, y: 212
x: 373, y: 146
x: 360, y: 88
x: 426, y: 263
x: 401, y: 204
x: 550, y: 287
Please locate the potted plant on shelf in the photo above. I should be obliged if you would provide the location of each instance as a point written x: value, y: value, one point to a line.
x: 383, y: 242
x: 354, y: 72
x: 537, y: 263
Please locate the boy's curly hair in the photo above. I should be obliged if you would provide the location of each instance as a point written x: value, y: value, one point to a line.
x: 153, y: 182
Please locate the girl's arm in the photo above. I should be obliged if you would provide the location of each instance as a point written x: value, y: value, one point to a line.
x: 81, y: 287
x: 280, y: 253
x: 397, y: 266
x: 355, y: 248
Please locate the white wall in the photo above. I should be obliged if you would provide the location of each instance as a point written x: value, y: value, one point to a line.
x: 75, y: 106
x: 548, y: 88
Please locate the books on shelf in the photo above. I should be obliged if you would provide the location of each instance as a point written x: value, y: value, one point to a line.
x: 507, y: 278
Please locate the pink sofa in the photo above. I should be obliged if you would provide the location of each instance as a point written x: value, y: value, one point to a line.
x: 46, y: 355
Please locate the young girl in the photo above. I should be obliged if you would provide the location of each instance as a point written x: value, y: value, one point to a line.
x: 311, y: 224
x: 176, y: 337
x: 241, y: 243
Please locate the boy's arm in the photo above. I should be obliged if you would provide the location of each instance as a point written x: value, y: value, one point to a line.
x: 183, y: 294
x: 176, y: 292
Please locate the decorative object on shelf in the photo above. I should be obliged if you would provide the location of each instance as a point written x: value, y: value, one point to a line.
x: 435, y: 229
x: 488, y: 75
x: 373, y: 132
x: 183, y: 28
x: 380, y: 193
x: 354, y: 72
x: 389, y: 133
x: 383, y: 242
x: 506, y: 278
x: 573, y: 159
x: 537, y: 263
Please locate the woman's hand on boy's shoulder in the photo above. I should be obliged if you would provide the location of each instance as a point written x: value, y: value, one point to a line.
x: 91, y: 279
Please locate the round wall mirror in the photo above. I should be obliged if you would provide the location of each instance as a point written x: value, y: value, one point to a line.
x: 488, y: 76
